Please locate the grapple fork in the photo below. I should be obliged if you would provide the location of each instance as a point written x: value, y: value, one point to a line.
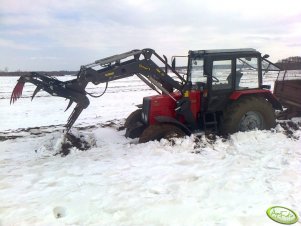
x: 74, y: 90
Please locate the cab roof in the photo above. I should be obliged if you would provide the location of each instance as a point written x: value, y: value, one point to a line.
x: 223, y: 51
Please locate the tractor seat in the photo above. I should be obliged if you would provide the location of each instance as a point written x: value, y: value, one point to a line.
x: 238, y: 77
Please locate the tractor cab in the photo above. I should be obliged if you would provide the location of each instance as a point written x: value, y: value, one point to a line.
x: 221, y: 73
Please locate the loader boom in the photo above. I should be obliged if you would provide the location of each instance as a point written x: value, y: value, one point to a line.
x: 124, y: 65
x: 135, y: 62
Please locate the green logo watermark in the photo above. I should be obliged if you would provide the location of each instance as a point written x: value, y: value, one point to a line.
x: 282, y: 215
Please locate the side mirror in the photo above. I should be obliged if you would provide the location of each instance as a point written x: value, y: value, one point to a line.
x: 173, y: 64
x: 265, y: 56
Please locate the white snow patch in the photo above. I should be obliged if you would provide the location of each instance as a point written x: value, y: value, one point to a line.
x: 230, y: 182
x: 120, y: 182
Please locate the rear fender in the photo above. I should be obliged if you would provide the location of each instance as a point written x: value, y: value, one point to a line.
x: 260, y: 92
x: 170, y: 120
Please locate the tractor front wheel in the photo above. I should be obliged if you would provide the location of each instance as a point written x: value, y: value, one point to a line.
x: 134, y: 125
x: 248, y: 113
x: 135, y: 116
x: 160, y: 131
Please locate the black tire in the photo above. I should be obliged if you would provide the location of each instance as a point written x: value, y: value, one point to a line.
x: 159, y: 131
x: 135, y: 130
x: 135, y: 116
x: 248, y: 113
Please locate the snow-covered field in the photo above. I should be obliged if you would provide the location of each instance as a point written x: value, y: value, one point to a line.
x: 195, y: 180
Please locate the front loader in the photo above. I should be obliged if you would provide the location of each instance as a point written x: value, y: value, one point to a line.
x: 217, y: 93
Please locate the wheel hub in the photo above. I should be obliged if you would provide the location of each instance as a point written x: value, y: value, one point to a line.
x: 251, y: 120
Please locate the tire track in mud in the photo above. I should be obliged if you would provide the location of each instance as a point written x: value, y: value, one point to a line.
x: 42, y: 130
x: 289, y: 128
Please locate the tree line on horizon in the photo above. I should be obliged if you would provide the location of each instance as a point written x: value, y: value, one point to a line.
x: 290, y: 63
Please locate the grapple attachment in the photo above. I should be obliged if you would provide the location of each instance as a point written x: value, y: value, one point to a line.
x: 74, y: 90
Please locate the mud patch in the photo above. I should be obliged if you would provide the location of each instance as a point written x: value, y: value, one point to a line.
x: 72, y: 141
x: 12, y: 137
x: 201, y: 141
x: 86, y: 127
x: 290, y: 128
x: 117, y: 124
x: 42, y: 130
x: 30, y: 131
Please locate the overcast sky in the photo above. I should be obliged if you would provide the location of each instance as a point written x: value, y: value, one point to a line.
x: 63, y: 34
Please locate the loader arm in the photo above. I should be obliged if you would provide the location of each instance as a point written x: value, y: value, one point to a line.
x: 135, y: 62
x: 140, y: 63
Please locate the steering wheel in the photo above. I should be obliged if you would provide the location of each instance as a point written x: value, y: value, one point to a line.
x: 214, y: 79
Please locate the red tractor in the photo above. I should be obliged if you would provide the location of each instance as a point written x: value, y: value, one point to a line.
x: 222, y: 91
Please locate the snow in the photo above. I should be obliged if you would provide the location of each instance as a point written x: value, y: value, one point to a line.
x: 194, y: 180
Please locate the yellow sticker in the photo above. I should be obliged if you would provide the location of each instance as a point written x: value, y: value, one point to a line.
x: 109, y: 74
x: 160, y: 72
x: 144, y: 67
x: 186, y: 94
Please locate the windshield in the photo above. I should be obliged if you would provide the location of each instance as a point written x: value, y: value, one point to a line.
x: 252, y: 64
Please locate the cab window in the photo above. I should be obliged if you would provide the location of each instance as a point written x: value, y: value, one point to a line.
x: 246, y: 73
x: 197, y: 71
x: 221, y: 70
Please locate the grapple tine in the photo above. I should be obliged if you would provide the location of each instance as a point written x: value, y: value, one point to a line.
x: 69, y: 104
x: 35, y: 92
x: 17, y: 92
x: 74, y: 115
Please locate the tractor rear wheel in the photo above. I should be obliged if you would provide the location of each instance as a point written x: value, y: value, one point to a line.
x: 160, y: 131
x: 248, y: 113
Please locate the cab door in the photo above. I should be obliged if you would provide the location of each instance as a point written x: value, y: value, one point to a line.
x: 218, y: 70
